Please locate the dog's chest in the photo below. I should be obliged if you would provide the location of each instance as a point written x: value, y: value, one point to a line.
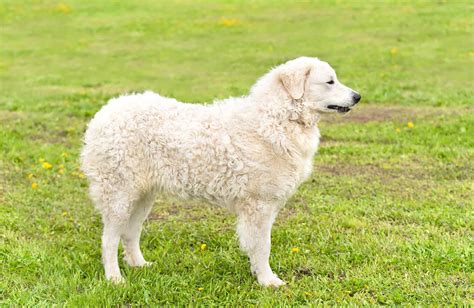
x: 308, y: 142
x: 287, y: 173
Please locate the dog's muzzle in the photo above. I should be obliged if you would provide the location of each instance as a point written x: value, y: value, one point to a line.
x: 339, y: 108
x: 343, y: 109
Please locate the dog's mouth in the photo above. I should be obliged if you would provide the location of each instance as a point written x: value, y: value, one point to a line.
x: 339, y: 108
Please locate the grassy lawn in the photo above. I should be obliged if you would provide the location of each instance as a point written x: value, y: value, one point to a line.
x: 387, y: 217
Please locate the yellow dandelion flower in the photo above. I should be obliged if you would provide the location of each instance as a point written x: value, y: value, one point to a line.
x: 410, y: 125
x: 398, y: 130
x: 307, y: 293
x: 34, y: 185
x: 203, y: 247
x: 394, y: 51
x: 63, y: 8
x: 64, y: 213
x: 295, y: 250
x: 200, y: 289
x: 30, y: 176
x: 228, y: 22
x: 47, y: 165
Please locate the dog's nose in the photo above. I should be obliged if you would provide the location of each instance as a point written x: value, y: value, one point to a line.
x: 356, y: 97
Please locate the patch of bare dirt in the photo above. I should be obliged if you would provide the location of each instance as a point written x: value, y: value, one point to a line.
x: 10, y: 116
x: 414, y: 170
x: 182, y: 210
x: 371, y: 113
x: 165, y: 214
x: 55, y: 137
x: 385, y: 175
x: 303, y: 271
x: 351, y: 170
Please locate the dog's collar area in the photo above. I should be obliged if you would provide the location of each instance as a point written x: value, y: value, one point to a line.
x: 304, y: 119
x: 339, y: 108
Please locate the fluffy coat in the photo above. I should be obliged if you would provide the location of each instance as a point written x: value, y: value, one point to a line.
x: 247, y: 154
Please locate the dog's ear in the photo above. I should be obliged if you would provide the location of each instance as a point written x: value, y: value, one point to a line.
x: 294, y: 79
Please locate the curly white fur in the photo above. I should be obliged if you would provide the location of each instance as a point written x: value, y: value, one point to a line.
x: 247, y: 154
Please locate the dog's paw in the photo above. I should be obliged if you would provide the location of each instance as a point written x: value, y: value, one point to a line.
x: 117, y: 280
x: 271, y: 281
x: 137, y: 262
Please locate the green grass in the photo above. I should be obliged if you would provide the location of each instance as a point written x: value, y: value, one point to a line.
x: 386, y: 218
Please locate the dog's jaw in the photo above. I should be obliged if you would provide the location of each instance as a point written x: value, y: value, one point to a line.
x: 339, y: 109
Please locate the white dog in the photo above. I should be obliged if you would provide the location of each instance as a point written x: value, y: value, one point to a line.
x: 247, y: 154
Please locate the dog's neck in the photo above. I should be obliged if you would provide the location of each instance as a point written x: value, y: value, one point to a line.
x: 282, y: 109
x: 303, y: 116
x: 289, y: 129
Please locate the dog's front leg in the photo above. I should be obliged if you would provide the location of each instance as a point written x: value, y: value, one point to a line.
x: 254, y: 227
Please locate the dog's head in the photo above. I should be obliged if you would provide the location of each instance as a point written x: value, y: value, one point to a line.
x: 315, y: 83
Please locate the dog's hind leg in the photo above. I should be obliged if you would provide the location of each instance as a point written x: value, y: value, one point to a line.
x: 254, y: 229
x: 115, y: 208
x: 110, y: 241
x: 131, y: 234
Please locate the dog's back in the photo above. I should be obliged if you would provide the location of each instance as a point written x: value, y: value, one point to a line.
x: 145, y: 142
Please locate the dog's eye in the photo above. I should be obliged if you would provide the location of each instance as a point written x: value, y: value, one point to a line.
x: 330, y: 82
